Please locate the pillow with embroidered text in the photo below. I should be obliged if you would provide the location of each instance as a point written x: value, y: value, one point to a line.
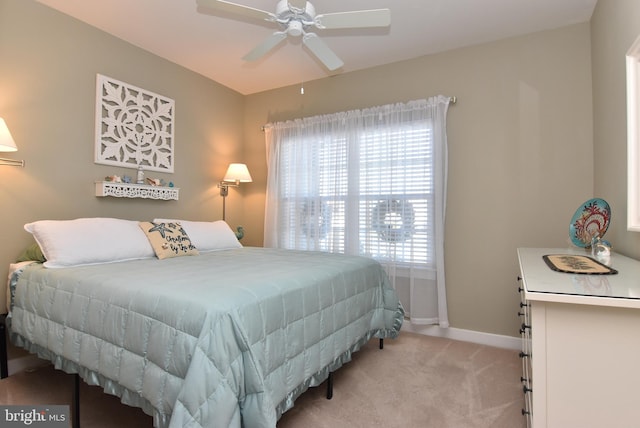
x: 208, y: 235
x: 168, y: 239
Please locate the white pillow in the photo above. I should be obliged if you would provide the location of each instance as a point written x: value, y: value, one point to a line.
x: 207, y: 235
x: 84, y: 241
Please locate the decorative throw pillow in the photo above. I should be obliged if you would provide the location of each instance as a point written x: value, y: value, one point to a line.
x: 208, y: 235
x: 32, y: 253
x: 168, y: 239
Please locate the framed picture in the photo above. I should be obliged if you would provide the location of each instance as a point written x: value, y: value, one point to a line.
x: 134, y: 127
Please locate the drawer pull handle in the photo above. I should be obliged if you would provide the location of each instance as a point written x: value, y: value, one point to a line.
x: 524, y: 355
x: 524, y: 305
x: 525, y: 389
x: 525, y: 412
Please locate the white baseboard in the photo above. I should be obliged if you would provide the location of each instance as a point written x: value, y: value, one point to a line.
x: 489, y: 339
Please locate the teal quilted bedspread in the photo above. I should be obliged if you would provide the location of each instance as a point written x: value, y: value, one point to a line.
x: 223, y: 339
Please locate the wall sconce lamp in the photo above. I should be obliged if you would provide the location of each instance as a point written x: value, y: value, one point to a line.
x: 236, y: 173
x: 7, y: 145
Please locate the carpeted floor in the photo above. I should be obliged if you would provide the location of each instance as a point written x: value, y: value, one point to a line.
x: 415, y: 381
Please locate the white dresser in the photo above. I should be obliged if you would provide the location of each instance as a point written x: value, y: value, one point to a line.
x: 581, y: 343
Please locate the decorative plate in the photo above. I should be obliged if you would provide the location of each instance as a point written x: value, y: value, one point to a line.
x: 591, y: 219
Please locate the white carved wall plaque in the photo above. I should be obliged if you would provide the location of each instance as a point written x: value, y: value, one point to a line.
x: 134, y: 127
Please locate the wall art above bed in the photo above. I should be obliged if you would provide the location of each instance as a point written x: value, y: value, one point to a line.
x: 134, y: 127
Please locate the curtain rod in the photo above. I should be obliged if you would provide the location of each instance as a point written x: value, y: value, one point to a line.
x: 452, y: 100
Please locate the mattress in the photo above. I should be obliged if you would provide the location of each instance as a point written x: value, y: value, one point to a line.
x: 227, y: 338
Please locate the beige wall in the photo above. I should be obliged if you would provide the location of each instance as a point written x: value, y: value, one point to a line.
x: 615, y: 25
x: 520, y: 140
x: 520, y: 153
x: 48, y: 66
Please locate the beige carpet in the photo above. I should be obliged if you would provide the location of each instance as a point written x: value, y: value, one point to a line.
x: 415, y: 381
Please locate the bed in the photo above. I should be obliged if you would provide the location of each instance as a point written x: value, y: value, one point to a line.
x: 228, y: 336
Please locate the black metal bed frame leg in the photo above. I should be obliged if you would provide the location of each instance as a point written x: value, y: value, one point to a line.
x: 330, y: 378
x: 330, y: 386
x: 4, y: 365
x: 75, y: 406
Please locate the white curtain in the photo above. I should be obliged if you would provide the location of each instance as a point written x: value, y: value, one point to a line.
x: 370, y: 182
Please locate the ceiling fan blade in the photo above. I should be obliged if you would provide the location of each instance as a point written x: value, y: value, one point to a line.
x: 354, y: 19
x: 322, y: 51
x: 237, y: 9
x: 270, y: 42
x: 300, y: 5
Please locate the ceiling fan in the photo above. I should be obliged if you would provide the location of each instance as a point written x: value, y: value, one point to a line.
x: 296, y: 18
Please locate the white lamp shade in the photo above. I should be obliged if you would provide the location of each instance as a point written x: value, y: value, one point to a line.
x: 6, y: 140
x: 238, y: 172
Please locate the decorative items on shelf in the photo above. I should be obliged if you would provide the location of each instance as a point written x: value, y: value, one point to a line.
x: 149, y: 181
x: 158, y: 182
x: 118, y: 179
x: 119, y: 189
x: 125, y: 187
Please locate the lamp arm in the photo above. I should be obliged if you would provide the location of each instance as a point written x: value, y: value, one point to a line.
x: 224, y: 189
x: 11, y: 162
x: 224, y: 186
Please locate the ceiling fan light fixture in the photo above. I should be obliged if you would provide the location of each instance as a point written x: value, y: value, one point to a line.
x: 295, y: 28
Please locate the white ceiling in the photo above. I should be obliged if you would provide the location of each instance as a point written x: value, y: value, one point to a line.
x: 213, y: 44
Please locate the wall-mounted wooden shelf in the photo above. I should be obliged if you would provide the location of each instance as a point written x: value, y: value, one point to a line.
x: 129, y: 190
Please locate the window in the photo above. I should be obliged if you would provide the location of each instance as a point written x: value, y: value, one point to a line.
x: 370, y: 182
x: 381, y: 181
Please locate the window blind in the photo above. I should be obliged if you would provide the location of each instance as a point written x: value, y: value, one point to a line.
x: 381, y: 183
